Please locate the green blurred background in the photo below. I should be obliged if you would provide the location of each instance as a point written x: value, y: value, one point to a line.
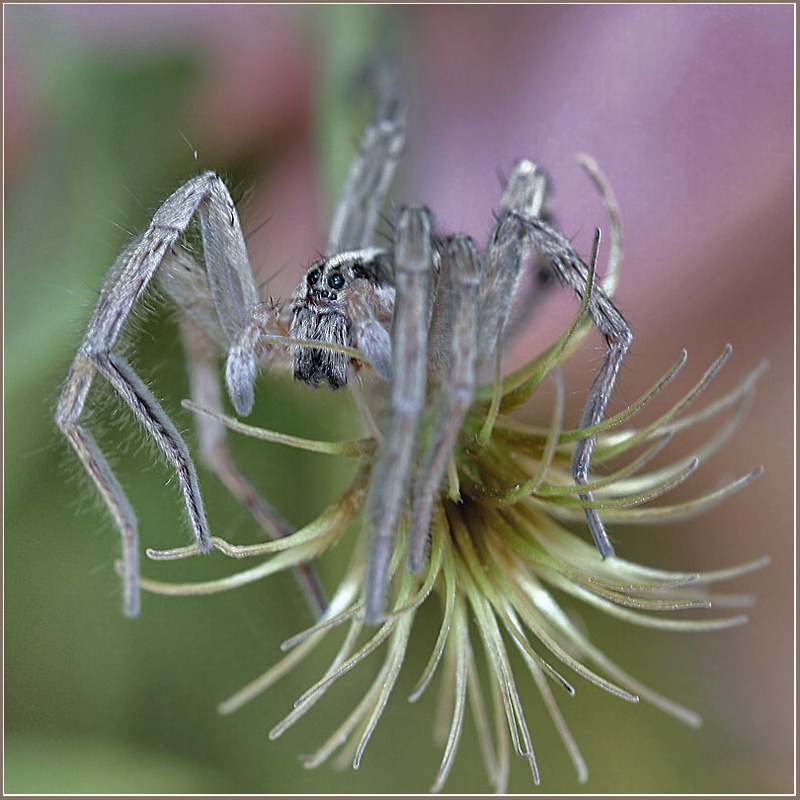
x: 104, y: 110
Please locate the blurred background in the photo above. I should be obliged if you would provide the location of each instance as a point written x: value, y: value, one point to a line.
x: 689, y: 111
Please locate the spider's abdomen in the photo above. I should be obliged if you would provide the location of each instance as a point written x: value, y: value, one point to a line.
x: 314, y: 365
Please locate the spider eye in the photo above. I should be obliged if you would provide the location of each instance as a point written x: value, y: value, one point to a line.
x: 358, y: 270
x: 336, y: 280
x: 312, y: 277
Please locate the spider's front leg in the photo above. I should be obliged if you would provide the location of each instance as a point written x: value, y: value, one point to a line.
x: 234, y: 295
x: 452, y: 354
x: 414, y: 265
x: 125, y: 284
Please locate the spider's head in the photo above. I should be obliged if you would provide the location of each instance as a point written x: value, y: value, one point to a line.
x: 331, y: 280
x: 343, y: 299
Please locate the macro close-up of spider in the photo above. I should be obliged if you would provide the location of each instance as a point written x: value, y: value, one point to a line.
x: 427, y: 315
x: 387, y: 387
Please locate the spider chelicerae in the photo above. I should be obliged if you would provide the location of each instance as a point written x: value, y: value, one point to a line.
x: 420, y: 319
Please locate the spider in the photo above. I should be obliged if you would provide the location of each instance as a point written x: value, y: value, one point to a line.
x: 423, y: 317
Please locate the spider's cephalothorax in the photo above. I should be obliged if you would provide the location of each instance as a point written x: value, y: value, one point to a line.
x: 427, y: 313
x: 344, y: 300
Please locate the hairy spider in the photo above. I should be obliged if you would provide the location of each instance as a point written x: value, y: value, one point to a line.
x: 426, y: 315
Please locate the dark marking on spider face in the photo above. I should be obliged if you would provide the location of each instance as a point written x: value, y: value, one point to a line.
x: 330, y: 279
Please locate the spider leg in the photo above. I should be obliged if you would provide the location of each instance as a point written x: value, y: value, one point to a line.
x: 232, y: 288
x: 371, y: 172
x: 70, y: 408
x: 459, y: 274
x: 147, y: 410
x: 414, y: 265
x: 202, y: 336
x: 201, y: 353
x: 552, y: 246
x: 526, y: 193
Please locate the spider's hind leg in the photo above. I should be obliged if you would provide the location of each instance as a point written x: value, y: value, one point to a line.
x: 572, y: 271
x: 521, y: 232
x: 234, y: 296
x: 214, y: 451
x: 203, y: 337
x: 126, y: 282
x: 527, y: 194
